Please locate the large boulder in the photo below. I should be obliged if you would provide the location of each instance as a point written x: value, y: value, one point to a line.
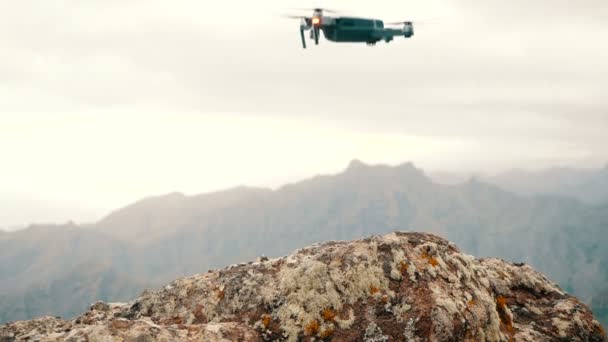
x: 397, y: 287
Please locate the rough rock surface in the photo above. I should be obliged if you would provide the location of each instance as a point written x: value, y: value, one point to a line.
x: 398, y: 287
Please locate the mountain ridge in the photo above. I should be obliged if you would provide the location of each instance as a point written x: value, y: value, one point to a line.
x: 562, y: 237
x: 155, y: 209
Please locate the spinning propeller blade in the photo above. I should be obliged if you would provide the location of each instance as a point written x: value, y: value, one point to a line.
x: 317, y: 9
x: 412, y: 22
x: 399, y: 23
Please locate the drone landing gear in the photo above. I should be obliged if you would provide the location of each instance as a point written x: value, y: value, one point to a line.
x: 302, y: 36
x: 314, y: 34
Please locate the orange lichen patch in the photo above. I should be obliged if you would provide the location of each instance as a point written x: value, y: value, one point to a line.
x: 505, y: 319
x: 501, y: 302
x: 328, y: 315
x: 266, y: 319
x: 327, y: 333
x: 221, y: 294
x: 403, y: 266
x: 311, y: 328
x: 373, y: 290
x: 385, y: 299
x: 199, y: 316
x: 432, y: 261
x: 471, y: 303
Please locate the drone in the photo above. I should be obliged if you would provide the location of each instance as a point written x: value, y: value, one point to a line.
x: 350, y: 29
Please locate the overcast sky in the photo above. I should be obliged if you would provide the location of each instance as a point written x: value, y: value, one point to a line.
x: 105, y: 102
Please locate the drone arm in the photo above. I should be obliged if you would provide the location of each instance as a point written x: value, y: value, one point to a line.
x: 389, y: 34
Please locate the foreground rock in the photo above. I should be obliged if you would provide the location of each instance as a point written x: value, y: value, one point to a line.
x: 399, y: 287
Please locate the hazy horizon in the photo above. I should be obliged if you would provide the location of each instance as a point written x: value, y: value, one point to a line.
x: 57, y: 212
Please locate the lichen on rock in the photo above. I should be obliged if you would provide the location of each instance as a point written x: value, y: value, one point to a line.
x: 397, y: 287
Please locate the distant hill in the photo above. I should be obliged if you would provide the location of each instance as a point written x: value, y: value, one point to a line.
x: 66, y: 293
x: 156, y: 217
x: 161, y: 238
x: 54, y: 270
x: 16, y: 209
x: 587, y: 185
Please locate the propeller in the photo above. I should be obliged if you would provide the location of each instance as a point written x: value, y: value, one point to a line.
x: 295, y: 16
x: 317, y: 9
x: 399, y: 23
x: 412, y: 22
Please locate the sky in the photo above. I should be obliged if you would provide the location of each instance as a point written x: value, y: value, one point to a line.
x: 105, y: 102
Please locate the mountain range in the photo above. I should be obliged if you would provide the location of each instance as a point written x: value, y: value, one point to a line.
x: 587, y: 185
x: 60, y: 270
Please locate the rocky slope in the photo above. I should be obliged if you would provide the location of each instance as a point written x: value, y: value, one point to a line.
x: 398, y: 287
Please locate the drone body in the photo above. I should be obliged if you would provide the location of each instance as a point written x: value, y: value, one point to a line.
x: 350, y: 29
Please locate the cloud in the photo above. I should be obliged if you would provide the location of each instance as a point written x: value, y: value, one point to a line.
x: 236, y: 56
